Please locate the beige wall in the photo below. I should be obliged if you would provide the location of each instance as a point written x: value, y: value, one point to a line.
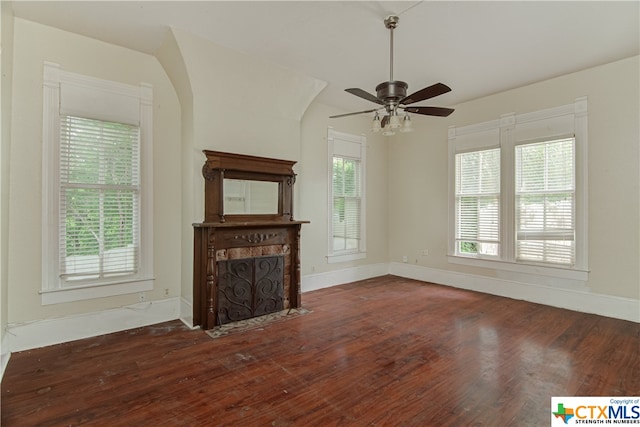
x: 312, y: 189
x: 6, y: 71
x: 34, y: 44
x: 241, y: 104
x: 231, y: 102
x: 418, y: 174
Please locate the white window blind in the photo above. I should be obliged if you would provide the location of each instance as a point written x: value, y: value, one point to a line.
x: 477, y: 203
x: 99, y: 199
x: 545, y: 202
x: 346, y: 185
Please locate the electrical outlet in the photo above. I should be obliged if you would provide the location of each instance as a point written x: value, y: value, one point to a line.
x: 405, y: 258
x: 425, y: 252
x: 141, y: 297
x: 166, y: 292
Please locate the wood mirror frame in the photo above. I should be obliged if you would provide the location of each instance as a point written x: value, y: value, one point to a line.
x: 219, y: 166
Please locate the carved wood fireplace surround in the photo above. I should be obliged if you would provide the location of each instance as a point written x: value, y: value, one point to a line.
x: 247, y: 250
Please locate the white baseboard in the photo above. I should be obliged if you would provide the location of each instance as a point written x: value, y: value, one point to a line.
x: 5, y: 355
x: 186, y: 313
x: 317, y: 281
x: 46, y: 332
x: 572, y: 299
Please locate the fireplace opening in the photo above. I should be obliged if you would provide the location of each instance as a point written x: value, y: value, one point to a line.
x: 250, y: 287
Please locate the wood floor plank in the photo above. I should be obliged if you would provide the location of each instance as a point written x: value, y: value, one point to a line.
x: 384, y: 351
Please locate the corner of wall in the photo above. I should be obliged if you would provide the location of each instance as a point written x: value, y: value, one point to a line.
x: 6, y: 71
x: 171, y: 58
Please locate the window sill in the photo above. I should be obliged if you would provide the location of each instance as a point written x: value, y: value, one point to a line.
x: 332, y: 259
x: 541, y: 270
x: 58, y: 296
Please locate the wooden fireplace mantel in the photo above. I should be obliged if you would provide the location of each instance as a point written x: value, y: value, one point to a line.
x: 214, y: 242
x: 223, y: 236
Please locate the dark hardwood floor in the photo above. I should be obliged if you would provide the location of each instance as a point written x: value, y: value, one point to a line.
x: 385, y: 351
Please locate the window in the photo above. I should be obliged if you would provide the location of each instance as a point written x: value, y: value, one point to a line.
x: 99, y: 199
x: 478, y: 202
x: 97, y: 207
x: 346, y: 194
x: 346, y: 204
x: 519, y: 192
x: 544, y: 207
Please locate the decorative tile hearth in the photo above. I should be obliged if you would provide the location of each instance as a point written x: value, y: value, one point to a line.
x: 256, y: 323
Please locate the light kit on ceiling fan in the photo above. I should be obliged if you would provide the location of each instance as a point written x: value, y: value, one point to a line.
x: 375, y: 126
x: 392, y: 96
x: 406, y: 124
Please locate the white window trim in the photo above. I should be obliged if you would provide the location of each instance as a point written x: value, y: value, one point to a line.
x: 344, y: 256
x: 507, y: 132
x: 51, y: 291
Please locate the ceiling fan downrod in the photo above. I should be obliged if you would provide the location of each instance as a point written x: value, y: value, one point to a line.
x: 391, y: 91
x: 391, y: 22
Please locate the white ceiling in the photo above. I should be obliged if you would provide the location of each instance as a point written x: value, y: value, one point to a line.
x: 477, y: 48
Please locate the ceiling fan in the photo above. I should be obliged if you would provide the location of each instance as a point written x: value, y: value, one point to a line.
x: 392, y: 96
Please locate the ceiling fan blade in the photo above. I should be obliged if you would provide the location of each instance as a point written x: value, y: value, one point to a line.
x: 430, y: 111
x: 353, y: 114
x: 364, y: 94
x: 385, y: 120
x: 426, y: 93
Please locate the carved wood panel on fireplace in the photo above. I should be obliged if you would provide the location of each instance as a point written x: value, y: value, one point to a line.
x: 265, y: 246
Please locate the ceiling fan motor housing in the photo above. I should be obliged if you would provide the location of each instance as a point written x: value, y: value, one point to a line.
x: 392, y: 91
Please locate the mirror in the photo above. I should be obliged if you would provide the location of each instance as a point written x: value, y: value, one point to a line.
x: 246, y: 197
